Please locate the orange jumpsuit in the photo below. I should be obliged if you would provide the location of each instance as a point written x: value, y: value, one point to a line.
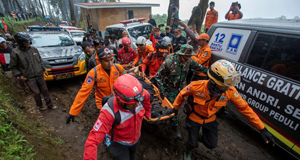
x: 103, y: 87
x: 208, y: 109
x: 203, y: 57
x: 153, y: 62
x: 211, y: 18
x: 233, y: 16
x: 143, y: 54
x: 170, y: 50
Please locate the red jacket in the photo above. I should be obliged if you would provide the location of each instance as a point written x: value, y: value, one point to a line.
x: 127, y: 132
x: 125, y: 57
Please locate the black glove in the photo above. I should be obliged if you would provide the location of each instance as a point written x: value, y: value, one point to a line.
x: 267, y: 136
x: 175, y: 111
x: 69, y: 117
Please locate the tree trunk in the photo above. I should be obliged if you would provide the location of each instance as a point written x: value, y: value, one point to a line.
x: 5, y: 4
x: 49, y: 10
x: 43, y: 14
x: 18, y: 5
x: 170, y: 11
x: 198, y: 14
x: 73, y: 18
x: 63, y: 11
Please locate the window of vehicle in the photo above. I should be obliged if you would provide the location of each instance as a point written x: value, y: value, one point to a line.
x: 278, y: 54
x: 137, y: 31
x: 77, y: 34
x: 116, y: 31
x: 51, y: 40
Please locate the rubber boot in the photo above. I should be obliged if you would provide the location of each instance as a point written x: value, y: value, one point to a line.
x: 188, y: 154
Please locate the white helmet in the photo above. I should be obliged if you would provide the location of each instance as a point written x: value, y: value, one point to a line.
x: 141, y: 40
x: 167, y: 40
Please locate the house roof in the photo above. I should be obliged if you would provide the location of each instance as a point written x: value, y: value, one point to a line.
x: 115, y: 5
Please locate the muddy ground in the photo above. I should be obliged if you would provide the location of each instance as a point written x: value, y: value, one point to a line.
x: 236, y: 140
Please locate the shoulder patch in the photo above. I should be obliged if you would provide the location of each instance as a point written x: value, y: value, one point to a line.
x: 236, y: 94
x: 205, y: 54
x: 97, y: 125
x: 89, y: 80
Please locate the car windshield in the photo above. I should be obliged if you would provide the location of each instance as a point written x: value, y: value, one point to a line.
x: 137, y: 31
x: 51, y: 40
x: 77, y: 34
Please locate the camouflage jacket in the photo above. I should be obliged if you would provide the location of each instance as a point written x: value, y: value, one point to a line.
x: 171, y: 76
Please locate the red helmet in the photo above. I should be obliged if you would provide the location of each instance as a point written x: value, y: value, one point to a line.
x: 128, y: 89
x: 126, y: 41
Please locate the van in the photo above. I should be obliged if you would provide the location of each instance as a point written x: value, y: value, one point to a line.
x: 267, y: 53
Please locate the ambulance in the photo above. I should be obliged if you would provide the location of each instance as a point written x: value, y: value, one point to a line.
x: 267, y: 54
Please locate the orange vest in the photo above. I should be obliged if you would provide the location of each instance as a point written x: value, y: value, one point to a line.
x: 103, y: 86
x: 211, y: 18
x: 203, y: 57
x: 207, y: 106
x: 143, y: 54
x: 233, y: 17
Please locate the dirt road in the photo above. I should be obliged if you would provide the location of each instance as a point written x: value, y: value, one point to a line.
x: 236, y: 141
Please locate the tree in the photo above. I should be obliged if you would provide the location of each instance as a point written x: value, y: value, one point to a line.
x: 5, y: 4
x: 170, y: 11
x: 73, y: 18
x: 198, y: 14
x: 43, y: 13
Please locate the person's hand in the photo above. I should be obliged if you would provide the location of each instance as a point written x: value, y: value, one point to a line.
x: 267, y: 136
x: 69, y: 117
x: 143, y: 74
x: 147, y: 119
x: 151, y: 77
x: 23, y: 78
x: 130, y: 64
x: 46, y: 73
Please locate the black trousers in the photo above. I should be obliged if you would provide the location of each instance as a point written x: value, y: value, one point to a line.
x: 209, y: 134
x: 118, y: 151
x: 38, y: 86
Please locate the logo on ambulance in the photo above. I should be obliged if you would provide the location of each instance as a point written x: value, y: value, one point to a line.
x: 234, y: 44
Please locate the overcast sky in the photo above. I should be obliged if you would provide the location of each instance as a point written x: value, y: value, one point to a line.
x: 250, y: 8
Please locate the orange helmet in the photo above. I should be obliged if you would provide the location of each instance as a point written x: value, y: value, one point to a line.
x: 203, y: 36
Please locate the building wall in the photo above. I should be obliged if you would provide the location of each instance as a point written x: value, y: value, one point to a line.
x: 100, y: 18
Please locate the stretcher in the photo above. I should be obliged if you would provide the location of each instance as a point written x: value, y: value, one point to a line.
x: 165, y: 101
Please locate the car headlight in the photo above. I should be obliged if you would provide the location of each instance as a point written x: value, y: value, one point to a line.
x: 81, y: 57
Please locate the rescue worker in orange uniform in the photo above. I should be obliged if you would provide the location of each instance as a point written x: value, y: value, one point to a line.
x: 155, y: 59
x: 206, y: 97
x: 120, y: 134
x: 203, y: 56
x: 211, y: 16
x: 235, y: 12
x: 143, y: 49
x: 102, y: 77
x: 155, y: 36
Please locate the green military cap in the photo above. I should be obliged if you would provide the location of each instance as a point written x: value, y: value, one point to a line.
x: 186, y: 50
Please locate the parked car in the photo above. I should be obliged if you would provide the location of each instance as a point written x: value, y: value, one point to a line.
x: 77, y: 35
x: 60, y: 54
x: 267, y: 53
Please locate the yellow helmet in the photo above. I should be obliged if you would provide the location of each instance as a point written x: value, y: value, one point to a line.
x: 223, y: 73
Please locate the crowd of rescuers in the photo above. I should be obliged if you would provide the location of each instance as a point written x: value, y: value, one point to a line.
x: 181, y: 69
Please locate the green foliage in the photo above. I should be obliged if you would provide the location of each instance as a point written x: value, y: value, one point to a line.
x: 13, y: 145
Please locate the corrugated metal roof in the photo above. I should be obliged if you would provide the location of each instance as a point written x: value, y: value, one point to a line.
x: 115, y: 5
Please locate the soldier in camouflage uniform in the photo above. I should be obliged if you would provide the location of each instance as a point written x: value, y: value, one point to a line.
x: 171, y: 76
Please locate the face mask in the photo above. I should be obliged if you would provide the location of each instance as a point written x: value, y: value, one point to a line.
x: 214, y: 90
